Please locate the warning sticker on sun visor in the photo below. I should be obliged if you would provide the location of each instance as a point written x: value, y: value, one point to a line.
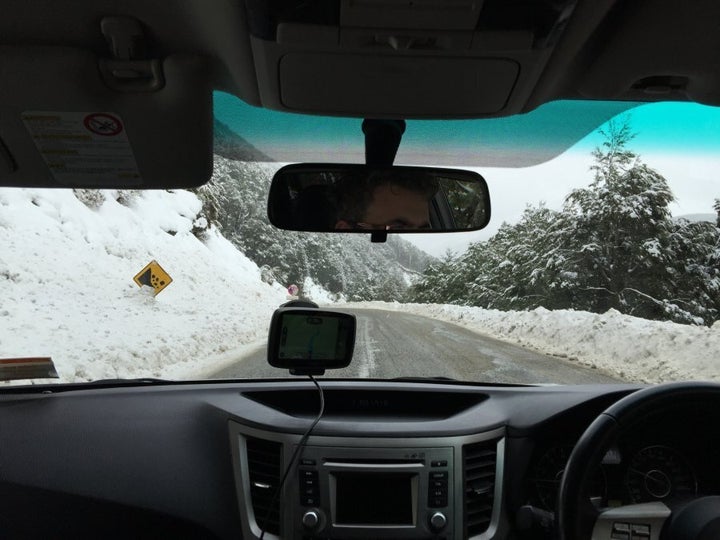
x: 84, y: 148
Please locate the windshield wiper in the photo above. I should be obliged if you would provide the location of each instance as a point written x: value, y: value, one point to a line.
x: 440, y: 379
x: 56, y: 388
x: 120, y: 381
x: 420, y: 379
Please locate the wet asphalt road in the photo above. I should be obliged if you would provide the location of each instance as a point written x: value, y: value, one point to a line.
x: 393, y: 344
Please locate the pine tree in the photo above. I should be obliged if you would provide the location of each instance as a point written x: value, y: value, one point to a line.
x: 623, y: 228
x: 613, y: 245
x: 696, y: 272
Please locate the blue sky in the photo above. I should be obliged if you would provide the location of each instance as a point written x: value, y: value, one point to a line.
x: 524, y: 139
x: 529, y: 138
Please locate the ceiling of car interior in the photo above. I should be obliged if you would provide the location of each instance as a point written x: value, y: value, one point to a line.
x: 154, y: 65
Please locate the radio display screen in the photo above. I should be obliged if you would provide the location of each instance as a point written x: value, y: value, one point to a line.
x: 374, y: 499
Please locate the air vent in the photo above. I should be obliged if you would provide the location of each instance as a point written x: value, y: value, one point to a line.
x: 264, y: 466
x: 479, y: 462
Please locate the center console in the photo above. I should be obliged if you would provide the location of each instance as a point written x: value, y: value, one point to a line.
x: 367, y: 488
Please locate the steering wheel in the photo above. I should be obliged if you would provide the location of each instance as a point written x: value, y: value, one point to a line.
x: 579, y: 519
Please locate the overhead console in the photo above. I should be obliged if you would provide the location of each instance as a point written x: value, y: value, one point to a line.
x: 346, y: 57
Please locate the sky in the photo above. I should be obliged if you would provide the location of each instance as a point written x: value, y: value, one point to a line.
x: 680, y: 140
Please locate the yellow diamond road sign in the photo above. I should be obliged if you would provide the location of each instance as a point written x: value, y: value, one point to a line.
x: 153, y: 276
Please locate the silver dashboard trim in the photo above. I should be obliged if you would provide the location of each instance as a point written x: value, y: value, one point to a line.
x: 396, y: 466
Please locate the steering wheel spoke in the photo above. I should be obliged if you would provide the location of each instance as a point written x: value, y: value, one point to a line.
x: 641, y: 521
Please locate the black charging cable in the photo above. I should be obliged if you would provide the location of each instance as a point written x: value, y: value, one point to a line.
x: 296, y: 453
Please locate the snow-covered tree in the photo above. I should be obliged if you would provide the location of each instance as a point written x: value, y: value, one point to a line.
x: 696, y: 272
x: 622, y: 231
x: 613, y: 245
x: 235, y: 200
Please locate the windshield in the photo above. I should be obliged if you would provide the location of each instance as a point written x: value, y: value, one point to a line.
x: 601, y: 262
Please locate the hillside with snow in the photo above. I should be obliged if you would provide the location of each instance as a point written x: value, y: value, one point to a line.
x: 67, y: 289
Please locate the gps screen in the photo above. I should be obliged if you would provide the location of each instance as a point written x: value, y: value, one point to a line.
x: 311, y: 337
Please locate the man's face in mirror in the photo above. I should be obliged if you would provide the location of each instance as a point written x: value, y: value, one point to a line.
x: 393, y: 207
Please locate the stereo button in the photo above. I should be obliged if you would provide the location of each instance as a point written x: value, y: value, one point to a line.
x: 311, y: 519
x: 437, y: 502
x: 309, y: 500
x: 438, y: 521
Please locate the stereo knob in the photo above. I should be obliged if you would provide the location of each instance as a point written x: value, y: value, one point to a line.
x: 438, y: 521
x: 310, y: 519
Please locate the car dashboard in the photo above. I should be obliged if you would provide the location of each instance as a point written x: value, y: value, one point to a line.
x: 388, y: 459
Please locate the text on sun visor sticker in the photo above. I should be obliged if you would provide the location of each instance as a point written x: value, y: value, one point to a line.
x: 84, y: 148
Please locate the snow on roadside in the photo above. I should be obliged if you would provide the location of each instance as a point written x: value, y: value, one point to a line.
x: 66, y: 288
x: 317, y: 293
x: 634, y: 349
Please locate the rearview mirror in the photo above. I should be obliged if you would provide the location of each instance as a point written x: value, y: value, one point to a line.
x: 360, y: 198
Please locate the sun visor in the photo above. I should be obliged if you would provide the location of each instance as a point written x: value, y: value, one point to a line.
x: 70, y: 119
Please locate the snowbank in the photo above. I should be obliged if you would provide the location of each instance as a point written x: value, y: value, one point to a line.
x: 66, y: 287
x: 634, y: 349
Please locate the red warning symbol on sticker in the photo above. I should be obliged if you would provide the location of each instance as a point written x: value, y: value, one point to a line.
x: 103, y: 124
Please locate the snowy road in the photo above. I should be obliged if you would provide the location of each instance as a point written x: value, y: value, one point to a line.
x: 394, y: 344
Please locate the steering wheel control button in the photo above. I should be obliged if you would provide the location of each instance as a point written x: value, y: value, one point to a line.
x: 620, y: 531
x: 630, y: 531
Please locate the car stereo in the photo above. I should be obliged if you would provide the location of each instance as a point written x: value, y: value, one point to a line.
x: 353, y: 493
